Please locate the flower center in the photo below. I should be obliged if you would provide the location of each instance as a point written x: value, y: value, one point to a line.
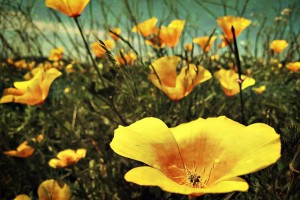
x: 195, y: 178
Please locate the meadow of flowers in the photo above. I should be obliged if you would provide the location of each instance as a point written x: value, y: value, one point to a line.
x: 136, y: 105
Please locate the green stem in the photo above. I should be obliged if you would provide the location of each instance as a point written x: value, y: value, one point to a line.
x: 89, y: 52
x: 238, y: 63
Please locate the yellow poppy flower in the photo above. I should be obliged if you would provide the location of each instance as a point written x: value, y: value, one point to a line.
x: 278, y: 46
x: 22, y: 197
x: 129, y: 57
x: 293, y: 66
x: 229, y: 81
x: 203, y: 42
x: 239, y: 24
x: 199, y: 157
x: 99, y: 51
x: 170, y: 35
x: 53, y: 190
x: 259, y: 90
x: 34, y: 91
x: 67, y: 158
x: 146, y: 28
x: 56, y: 54
x: 165, y: 78
x: 117, y: 31
x: 70, y: 8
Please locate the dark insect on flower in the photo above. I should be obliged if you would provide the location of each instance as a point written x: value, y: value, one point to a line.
x: 194, y: 179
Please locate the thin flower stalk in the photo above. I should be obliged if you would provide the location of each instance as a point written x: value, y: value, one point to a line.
x: 238, y: 63
x: 89, y: 52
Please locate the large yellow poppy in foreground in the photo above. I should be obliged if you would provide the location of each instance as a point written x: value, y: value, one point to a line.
x: 199, y: 157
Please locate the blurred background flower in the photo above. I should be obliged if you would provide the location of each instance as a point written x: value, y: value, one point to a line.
x: 34, y: 91
x: 70, y: 8
x: 164, y: 77
x: 229, y: 81
x: 278, y: 46
x: 54, y: 190
x: 67, y: 158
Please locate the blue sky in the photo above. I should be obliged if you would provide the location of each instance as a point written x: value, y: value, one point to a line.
x: 200, y: 16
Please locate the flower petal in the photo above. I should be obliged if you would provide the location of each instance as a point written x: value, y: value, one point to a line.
x: 225, y: 147
x: 81, y: 153
x: 50, y: 76
x: 70, y: 8
x: 261, y: 153
x: 56, y: 163
x: 150, y: 141
x: 165, y: 69
x: 146, y: 28
x: 24, y: 85
x: 67, y: 154
x: 148, y: 176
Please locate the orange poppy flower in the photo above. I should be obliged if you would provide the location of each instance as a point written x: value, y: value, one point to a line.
x: 199, y: 157
x: 22, y: 197
x: 54, y: 190
x: 146, y: 28
x: 239, y: 24
x: 34, y: 91
x: 56, y: 54
x: 117, y: 31
x: 24, y: 150
x: 67, y: 158
x: 278, y: 46
x: 203, y: 42
x: 129, y: 57
x: 293, y: 66
x: 99, y: 51
x: 70, y: 8
x: 229, y: 81
x: 165, y: 78
x: 170, y: 35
